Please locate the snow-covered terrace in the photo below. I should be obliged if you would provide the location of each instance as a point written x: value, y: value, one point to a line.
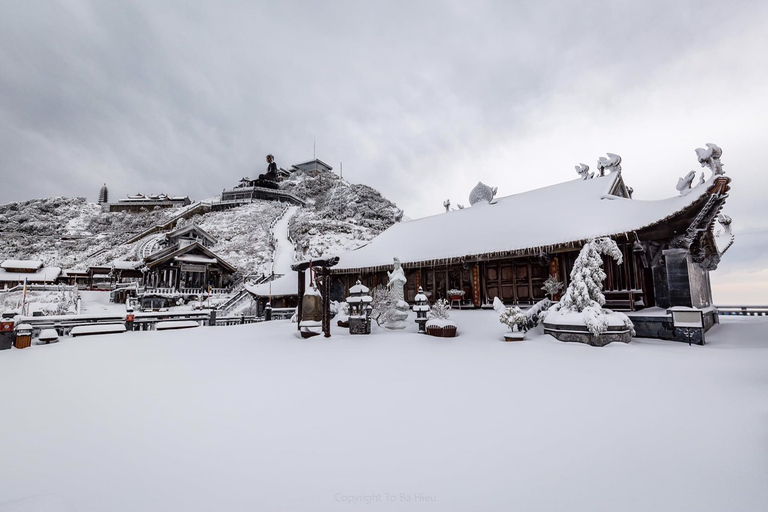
x: 539, y: 220
x: 254, y: 418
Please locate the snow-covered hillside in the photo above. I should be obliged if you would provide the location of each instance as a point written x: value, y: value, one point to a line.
x: 340, y: 216
x: 73, y: 233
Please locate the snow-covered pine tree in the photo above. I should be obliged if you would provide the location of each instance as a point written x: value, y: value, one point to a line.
x: 586, y: 286
x: 585, y: 291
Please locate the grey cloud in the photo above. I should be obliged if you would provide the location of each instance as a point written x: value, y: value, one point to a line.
x: 186, y: 97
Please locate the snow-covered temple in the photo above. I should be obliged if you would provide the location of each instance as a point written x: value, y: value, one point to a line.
x: 140, y: 202
x: 182, y: 266
x: 507, y: 247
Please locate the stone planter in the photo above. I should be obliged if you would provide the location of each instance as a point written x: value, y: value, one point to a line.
x: 581, y: 334
x: 514, y: 336
x: 448, y: 331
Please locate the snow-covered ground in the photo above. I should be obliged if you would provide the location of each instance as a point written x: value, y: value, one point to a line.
x: 253, y: 417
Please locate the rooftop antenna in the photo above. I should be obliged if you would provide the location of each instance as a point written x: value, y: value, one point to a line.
x: 314, y: 147
x: 341, y: 169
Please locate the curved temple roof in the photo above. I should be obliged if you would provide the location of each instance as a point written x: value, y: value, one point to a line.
x: 540, y: 219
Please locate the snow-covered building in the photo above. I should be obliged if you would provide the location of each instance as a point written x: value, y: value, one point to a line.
x: 13, y: 272
x: 507, y: 247
x: 186, y: 266
x: 315, y: 165
x: 140, y: 202
x: 189, y: 234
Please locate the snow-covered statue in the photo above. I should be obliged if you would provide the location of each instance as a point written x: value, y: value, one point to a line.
x: 583, y: 170
x: 725, y: 234
x: 482, y: 193
x: 684, y: 184
x: 397, y: 281
x: 609, y: 165
x: 396, y: 284
x: 710, y: 157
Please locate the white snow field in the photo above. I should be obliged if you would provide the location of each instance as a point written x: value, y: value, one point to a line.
x: 252, y: 417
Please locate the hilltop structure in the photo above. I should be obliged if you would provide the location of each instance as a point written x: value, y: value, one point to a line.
x: 140, y: 202
x: 104, y: 194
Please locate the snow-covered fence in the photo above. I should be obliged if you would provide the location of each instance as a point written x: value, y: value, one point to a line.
x: 148, y: 321
x: 41, y: 288
x: 63, y: 324
x: 743, y: 310
x: 238, y: 320
x: 283, y: 313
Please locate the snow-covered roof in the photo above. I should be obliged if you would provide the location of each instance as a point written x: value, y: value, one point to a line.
x: 43, y: 275
x: 313, y: 165
x: 191, y: 228
x: 283, y: 286
x: 538, y: 220
x: 126, y: 265
x: 195, y: 258
x: 21, y: 264
x: 69, y: 272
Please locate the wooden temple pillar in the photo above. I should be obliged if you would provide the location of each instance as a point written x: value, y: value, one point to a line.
x: 326, y: 294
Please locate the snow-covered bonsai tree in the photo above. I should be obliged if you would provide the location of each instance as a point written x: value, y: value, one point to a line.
x: 438, y: 315
x: 585, y: 291
x: 515, y: 319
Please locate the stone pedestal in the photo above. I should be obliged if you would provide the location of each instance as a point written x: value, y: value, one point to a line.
x: 581, y: 334
x: 681, y: 282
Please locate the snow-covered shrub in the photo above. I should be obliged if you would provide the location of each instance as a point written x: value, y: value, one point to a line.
x: 552, y: 286
x: 383, y: 305
x: 514, y: 318
x: 585, y: 291
x: 440, y: 309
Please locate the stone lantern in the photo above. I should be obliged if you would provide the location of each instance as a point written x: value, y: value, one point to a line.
x: 359, y: 309
x: 421, y: 308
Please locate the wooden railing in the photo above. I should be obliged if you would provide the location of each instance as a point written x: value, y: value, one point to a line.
x: 742, y: 310
x: 143, y: 321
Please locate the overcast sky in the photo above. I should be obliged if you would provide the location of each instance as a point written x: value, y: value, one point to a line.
x: 419, y: 99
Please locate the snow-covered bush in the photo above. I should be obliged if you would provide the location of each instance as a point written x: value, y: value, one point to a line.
x: 383, y: 305
x: 438, y: 315
x: 585, y: 291
x: 514, y: 318
x: 440, y: 309
x: 552, y: 286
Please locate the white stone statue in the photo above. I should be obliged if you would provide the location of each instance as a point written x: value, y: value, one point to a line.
x: 583, y: 170
x: 609, y: 165
x: 684, y: 184
x: 710, y: 157
x: 482, y: 193
x: 396, y: 283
